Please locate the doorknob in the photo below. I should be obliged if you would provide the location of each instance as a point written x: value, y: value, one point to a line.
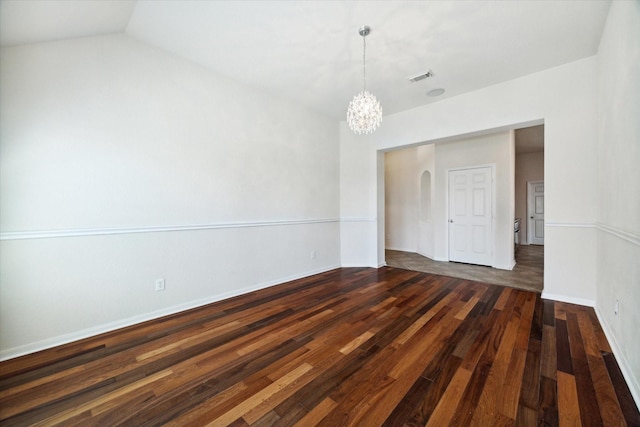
x: 531, y: 217
x: 452, y: 220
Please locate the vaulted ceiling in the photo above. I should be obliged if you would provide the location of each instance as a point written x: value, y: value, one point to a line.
x: 311, y: 52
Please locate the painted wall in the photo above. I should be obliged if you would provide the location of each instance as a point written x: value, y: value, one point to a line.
x: 407, y: 229
x: 121, y: 164
x: 426, y: 197
x: 409, y: 192
x: 496, y: 150
x: 361, y: 219
x: 529, y: 167
x: 618, y: 190
x: 564, y: 98
x: 402, y: 207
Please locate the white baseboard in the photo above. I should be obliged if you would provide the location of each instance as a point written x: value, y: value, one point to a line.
x: 401, y: 249
x: 426, y: 256
x: 632, y: 382
x: 360, y: 266
x: 570, y: 300
x: 14, y: 352
x: 506, y: 267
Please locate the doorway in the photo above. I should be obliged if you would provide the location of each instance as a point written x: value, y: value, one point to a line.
x: 529, y: 166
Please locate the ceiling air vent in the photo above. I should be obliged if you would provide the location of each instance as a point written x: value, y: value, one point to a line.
x: 421, y: 76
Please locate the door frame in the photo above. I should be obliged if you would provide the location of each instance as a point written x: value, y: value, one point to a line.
x: 493, y: 207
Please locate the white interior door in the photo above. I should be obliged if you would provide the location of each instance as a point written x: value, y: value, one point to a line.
x: 535, y: 212
x: 470, y: 216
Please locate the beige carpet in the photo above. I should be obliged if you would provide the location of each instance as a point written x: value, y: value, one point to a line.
x: 527, y: 274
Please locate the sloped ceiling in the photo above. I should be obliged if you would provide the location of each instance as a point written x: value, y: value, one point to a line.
x: 36, y: 21
x: 311, y: 52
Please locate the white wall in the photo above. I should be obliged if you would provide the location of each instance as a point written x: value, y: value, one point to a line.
x: 409, y: 212
x: 121, y: 164
x: 564, y: 98
x: 361, y: 242
x: 496, y: 150
x: 426, y: 232
x: 618, y: 192
x: 406, y: 230
x: 529, y: 167
x: 402, y: 210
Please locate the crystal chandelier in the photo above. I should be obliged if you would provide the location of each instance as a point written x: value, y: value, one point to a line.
x: 365, y: 113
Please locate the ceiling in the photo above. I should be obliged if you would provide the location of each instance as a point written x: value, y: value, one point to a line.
x: 310, y: 51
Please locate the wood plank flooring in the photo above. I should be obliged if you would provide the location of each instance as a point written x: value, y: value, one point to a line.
x: 350, y: 347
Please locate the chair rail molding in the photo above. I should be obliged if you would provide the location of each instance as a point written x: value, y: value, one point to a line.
x: 614, y: 231
x: 97, y: 231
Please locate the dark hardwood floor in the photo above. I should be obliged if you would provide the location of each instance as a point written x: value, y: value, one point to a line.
x: 365, y: 347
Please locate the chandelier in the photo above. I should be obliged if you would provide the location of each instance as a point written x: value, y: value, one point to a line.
x: 364, y: 113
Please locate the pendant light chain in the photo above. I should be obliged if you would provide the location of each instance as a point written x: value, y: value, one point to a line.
x: 364, y: 63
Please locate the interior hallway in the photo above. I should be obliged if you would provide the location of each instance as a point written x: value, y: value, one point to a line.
x: 527, y: 274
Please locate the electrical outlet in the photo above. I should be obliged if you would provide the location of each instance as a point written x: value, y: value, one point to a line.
x: 160, y: 285
x: 616, y: 309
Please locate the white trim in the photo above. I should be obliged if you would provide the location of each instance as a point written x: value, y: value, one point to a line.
x: 624, y: 235
x: 426, y: 256
x: 570, y: 224
x: 395, y: 248
x: 358, y: 219
x: 632, y: 383
x: 569, y: 299
x: 505, y: 267
x: 629, y: 237
x: 14, y: 352
x: 46, y: 234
